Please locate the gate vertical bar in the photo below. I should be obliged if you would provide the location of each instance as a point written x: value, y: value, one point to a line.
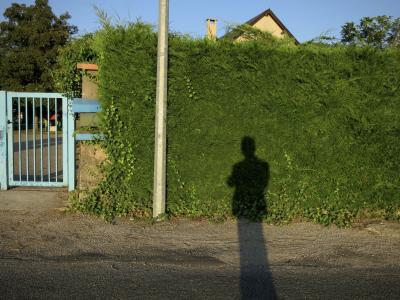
x: 34, y: 139
x: 48, y: 140
x: 10, y: 138
x: 56, y: 136
x: 19, y: 140
x: 26, y: 139
x: 3, y: 141
x: 41, y: 139
x: 65, y: 126
x: 71, y: 150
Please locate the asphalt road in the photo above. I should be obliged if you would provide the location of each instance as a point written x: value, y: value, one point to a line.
x: 53, y: 254
x: 115, y: 278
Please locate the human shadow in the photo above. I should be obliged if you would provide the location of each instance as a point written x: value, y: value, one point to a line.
x: 250, y: 179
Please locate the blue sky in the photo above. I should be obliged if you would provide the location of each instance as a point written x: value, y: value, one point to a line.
x: 306, y: 19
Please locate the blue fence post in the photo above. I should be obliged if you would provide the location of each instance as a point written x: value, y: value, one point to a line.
x: 78, y: 105
x: 71, y: 149
x: 3, y: 141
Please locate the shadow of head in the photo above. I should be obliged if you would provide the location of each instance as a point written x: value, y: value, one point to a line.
x: 250, y: 179
x: 248, y: 147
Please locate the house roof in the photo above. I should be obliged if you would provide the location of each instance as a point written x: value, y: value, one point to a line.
x: 265, y: 13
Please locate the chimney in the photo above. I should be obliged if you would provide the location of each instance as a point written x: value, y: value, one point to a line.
x: 212, y: 29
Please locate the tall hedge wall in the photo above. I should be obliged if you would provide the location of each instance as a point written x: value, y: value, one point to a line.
x: 326, y: 120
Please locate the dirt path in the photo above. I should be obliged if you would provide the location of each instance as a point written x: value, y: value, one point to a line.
x: 305, y: 260
x: 56, y: 233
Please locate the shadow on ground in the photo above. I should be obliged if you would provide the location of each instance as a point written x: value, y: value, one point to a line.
x: 250, y: 179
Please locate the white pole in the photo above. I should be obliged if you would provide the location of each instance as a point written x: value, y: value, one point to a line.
x: 161, y: 113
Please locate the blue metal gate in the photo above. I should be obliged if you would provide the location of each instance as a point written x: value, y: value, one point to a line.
x: 33, y: 139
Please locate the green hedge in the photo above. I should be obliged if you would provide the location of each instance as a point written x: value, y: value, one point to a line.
x: 66, y: 76
x: 325, y: 119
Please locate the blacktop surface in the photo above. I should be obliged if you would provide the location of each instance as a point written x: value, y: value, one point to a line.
x: 49, y: 252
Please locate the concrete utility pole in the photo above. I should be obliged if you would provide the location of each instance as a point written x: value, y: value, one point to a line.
x: 160, y: 152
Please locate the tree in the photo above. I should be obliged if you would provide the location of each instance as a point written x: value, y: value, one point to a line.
x: 29, y: 39
x: 379, y: 32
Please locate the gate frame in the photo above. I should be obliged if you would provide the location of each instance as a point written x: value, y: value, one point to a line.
x: 3, y: 141
x: 69, y: 107
x: 6, y: 140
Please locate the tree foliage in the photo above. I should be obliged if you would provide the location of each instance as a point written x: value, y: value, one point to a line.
x: 67, y: 78
x: 378, y: 32
x: 29, y: 39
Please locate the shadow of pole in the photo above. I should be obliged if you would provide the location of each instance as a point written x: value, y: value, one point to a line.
x: 250, y: 179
